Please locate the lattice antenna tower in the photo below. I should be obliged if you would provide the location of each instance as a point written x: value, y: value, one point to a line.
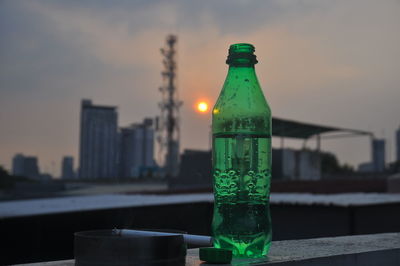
x: 168, y: 128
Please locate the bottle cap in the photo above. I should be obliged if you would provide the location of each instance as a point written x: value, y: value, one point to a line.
x: 241, y: 54
x: 215, y: 255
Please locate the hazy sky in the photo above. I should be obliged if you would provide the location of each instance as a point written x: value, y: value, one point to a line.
x: 330, y: 62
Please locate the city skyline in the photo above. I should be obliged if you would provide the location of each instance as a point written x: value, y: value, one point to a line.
x: 331, y: 63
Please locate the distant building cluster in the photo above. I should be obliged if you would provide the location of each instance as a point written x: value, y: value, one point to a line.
x: 398, y: 144
x: 25, y: 166
x: 378, y: 155
x: 293, y: 164
x: 288, y: 164
x: 106, y: 152
x: 378, y: 158
x: 67, y: 168
x: 28, y: 166
x: 136, y: 149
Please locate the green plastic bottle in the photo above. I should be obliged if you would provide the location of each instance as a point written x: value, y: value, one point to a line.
x: 241, y: 127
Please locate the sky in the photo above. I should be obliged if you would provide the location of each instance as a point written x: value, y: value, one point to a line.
x: 329, y: 62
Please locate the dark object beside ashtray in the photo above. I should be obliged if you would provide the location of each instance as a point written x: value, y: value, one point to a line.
x: 104, y: 247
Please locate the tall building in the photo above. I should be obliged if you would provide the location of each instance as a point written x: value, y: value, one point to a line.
x: 25, y: 166
x: 18, y: 165
x: 98, y: 141
x: 378, y: 155
x: 137, y: 149
x: 398, y: 144
x: 67, y: 167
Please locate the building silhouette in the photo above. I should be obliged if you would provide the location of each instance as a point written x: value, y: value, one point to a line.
x: 398, y: 144
x: 291, y: 164
x: 196, y: 164
x: 365, y: 167
x: 67, y: 167
x: 378, y: 155
x: 18, y: 165
x: 195, y: 170
x: 137, y: 149
x: 25, y: 166
x: 98, y: 141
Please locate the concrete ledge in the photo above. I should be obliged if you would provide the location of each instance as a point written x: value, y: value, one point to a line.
x: 378, y: 249
x: 362, y: 250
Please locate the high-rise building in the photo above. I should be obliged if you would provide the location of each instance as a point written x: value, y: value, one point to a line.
x: 98, y: 141
x: 67, y: 167
x: 137, y: 149
x: 398, y: 144
x: 378, y: 155
x: 18, y: 165
x: 25, y: 166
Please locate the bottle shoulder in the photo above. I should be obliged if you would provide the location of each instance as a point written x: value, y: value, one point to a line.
x: 241, y: 98
x: 235, y: 113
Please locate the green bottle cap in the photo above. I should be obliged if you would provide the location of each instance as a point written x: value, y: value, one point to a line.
x: 215, y: 255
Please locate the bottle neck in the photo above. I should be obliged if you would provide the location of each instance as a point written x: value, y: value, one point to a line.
x: 242, y: 72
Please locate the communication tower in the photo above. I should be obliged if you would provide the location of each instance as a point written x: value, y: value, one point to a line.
x: 168, y: 123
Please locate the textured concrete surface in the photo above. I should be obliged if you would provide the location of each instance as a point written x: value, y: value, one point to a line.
x: 362, y: 250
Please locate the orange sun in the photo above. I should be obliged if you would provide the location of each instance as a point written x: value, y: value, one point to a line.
x: 202, y: 107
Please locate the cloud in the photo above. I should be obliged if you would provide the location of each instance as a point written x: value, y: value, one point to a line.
x: 114, y: 42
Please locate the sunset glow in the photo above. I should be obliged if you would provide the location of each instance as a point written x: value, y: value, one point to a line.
x: 202, y: 107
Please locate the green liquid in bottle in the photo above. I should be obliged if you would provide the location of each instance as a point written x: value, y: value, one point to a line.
x: 242, y: 160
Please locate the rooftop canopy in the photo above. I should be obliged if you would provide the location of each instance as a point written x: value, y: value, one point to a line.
x: 295, y: 129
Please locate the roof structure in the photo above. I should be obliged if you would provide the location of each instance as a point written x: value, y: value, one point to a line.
x: 294, y: 129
